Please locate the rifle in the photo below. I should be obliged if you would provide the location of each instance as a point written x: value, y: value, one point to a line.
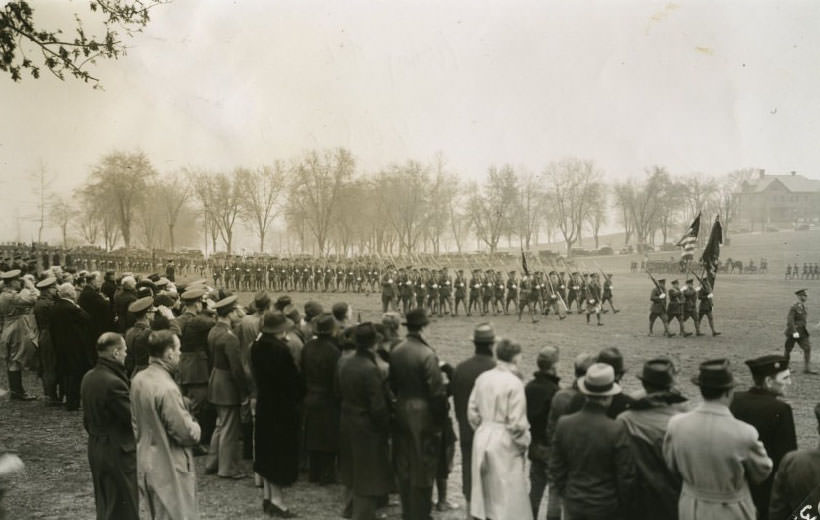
x: 657, y: 285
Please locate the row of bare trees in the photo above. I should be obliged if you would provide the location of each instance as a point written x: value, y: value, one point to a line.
x: 328, y: 206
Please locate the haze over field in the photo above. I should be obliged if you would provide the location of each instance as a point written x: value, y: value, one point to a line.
x: 695, y: 87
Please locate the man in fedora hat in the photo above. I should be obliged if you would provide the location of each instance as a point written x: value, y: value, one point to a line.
x: 714, y: 453
x: 771, y: 417
x: 796, y: 331
x: 73, y: 342
x: 591, y: 464
x: 539, y: 392
x: 43, y: 309
x: 320, y: 356
x: 646, y: 421
x: 462, y: 383
x: 421, y: 409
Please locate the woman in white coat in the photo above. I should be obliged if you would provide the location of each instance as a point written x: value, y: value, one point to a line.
x: 497, y: 411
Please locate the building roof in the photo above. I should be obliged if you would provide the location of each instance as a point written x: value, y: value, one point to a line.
x: 793, y: 183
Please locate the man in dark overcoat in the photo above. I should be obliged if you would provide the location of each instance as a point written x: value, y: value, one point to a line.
x: 48, y: 357
x: 72, y: 336
x: 464, y: 377
x: 421, y: 409
x: 112, y: 451
x: 771, y: 417
x: 319, y: 359
x: 796, y: 331
x: 364, y: 453
x: 95, y: 304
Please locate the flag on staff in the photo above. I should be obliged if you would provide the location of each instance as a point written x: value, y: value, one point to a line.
x: 524, y: 264
x: 687, y: 243
x: 711, y: 253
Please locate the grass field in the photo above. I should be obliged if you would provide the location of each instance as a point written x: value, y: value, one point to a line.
x: 750, y: 311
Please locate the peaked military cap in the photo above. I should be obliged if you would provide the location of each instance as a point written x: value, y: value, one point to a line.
x: 10, y: 275
x: 46, y: 283
x: 768, y: 365
x: 141, y: 305
x: 193, y: 294
x: 226, y: 302
x: 801, y: 292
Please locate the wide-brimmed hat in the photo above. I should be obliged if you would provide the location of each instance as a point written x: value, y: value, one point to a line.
x: 416, y: 318
x: 599, y: 380
x: 483, y: 333
x: 658, y: 373
x: 274, y: 322
x: 715, y: 374
x: 325, y: 323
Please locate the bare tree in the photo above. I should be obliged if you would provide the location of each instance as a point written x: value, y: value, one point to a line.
x: 314, y: 192
x: 647, y: 203
x: 402, y: 197
x: 219, y: 196
x: 260, y: 190
x: 624, y: 199
x: 597, y: 209
x: 41, y: 180
x: 440, y: 199
x: 61, y: 214
x: 121, y: 179
x: 570, y: 182
x: 172, y: 194
x: 728, y: 188
x: 491, y: 207
x: 530, y: 210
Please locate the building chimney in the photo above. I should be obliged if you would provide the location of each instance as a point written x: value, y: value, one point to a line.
x: 794, y: 173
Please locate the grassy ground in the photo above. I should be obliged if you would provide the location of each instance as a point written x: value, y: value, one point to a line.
x: 750, y: 310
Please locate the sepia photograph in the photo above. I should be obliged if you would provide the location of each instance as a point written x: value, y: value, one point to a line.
x: 409, y: 260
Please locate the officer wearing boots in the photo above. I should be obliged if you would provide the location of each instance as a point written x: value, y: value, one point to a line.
x: 796, y: 331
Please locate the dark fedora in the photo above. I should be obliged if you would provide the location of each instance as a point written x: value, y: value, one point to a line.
x: 715, y: 374
x: 658, y: 373
x: 325, y: 323
x: 364, y: 335
x: 274, y: 322
x: 416, y: 318
x: 612, y: 356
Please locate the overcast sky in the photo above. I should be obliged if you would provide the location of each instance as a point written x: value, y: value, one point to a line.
x: 697, y: 87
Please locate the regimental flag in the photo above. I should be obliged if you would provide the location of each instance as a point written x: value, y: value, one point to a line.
x: 689, y: 240
x: 711, y: 253
x: 524, y: 263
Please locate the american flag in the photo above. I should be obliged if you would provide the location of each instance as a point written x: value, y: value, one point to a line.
x: 687, y: 243
x: 711, y: 253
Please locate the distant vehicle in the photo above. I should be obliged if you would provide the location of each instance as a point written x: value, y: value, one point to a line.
x: 669, y: 246
x: 606, y: 250
x: 578, y: 251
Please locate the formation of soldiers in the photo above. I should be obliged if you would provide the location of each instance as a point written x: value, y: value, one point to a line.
x: 681, y: 304
x: 809, y: 272
x: 296, y: 275
x: 490, y: 291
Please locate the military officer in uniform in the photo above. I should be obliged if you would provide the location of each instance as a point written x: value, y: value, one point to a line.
x: 388, y: 291
x: 195, y: 362
x: 705, y: 308
x: 460, y: 285
x: 690, y: 305
x: 796, y: 331
x: 445, y: 293
x: 607, y: 296
x: 512, y: 293
x: 593, y: 299
x: 675, y: 309
x: 658, y: 308
x: 773, y: 419
x: 475, y: 292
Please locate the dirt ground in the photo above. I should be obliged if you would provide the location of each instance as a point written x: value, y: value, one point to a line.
x: 750, y: 311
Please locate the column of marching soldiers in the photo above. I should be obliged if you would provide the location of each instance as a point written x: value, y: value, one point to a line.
x: 185, y: 340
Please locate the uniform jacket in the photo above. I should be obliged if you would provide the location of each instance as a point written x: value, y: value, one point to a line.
x: 705, y: 297
x: 497, y: 410
x: 228, y: 385
x: 320, y: 357
x: 364, y: 454
x: 421, y: 409
x: 592, y: 464
x: 774, y: 422
x: 195, y: 361
x: 540, y: 392
x: 164, y: 432
x: 797, y: 476
x: 657, y: 490
x: 796, y: 320
x: 715, y: 466
x: 690, y: 300
x: 461, y: 386
x: 675, y: 302
x: 658, y: 304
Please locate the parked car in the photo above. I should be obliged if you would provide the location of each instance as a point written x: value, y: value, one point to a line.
x: 606, y: 250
